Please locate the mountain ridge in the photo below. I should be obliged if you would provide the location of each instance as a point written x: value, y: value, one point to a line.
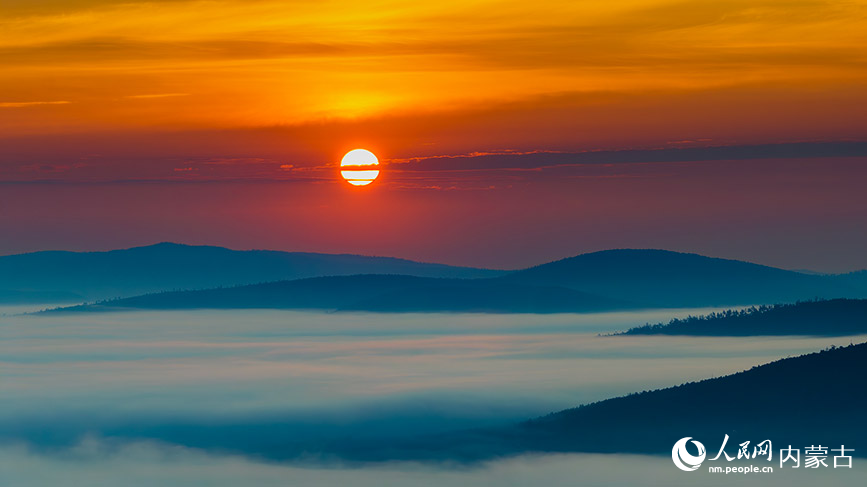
x: 663, y: 278
x: 371, y: 292
x: 636, y: 278
x: 167, y: 266
x: 835, y: 317
x: 650, y: 422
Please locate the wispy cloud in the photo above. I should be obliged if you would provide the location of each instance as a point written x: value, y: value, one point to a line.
x: 347, y: 60
x: 534, y: 160
x: 21, y: 104
x: 157, y: 95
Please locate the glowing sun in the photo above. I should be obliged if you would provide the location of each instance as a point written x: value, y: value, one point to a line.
x: 359, y: 167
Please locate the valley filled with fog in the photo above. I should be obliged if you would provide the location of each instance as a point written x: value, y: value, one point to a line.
x: 126, y: 390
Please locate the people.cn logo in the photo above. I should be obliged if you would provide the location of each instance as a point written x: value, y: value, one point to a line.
x: 683, y: 459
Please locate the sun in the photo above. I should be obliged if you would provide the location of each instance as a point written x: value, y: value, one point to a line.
x: 359, y: 167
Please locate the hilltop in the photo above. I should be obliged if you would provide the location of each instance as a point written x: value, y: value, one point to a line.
x: 828, y: 318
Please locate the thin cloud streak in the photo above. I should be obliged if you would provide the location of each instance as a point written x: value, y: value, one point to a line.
x: 21, y: 104
x: 541, y: 159
x: 157, y: 95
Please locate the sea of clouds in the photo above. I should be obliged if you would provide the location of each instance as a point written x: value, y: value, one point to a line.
x: 174, y: 397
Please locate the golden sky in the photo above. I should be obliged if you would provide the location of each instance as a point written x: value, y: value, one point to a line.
x: 96, y: 65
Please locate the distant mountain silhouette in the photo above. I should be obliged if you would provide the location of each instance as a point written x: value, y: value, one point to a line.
x: 808, y: 400
x: 857, y: 279
x: 384, y: 293
x: 828, y: 318
x: 660, y: 278
x: 79, y: 276
x: 614, y: 279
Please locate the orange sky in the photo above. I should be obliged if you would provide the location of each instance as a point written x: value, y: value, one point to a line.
x: 98, y: 92
x: 85, y: 65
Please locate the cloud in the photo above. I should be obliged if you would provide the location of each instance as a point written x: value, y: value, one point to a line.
x: 201, y: 379
x: 344, y: 59
x: 146, y: 464
x: 515, y: 160
x: 573, y: 35
x: 21, y: 104
x: 157, y: 95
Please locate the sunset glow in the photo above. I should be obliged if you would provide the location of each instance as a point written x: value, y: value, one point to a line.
x: 98, y: 65
x: 366, y: 243
x: 486, y: 115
